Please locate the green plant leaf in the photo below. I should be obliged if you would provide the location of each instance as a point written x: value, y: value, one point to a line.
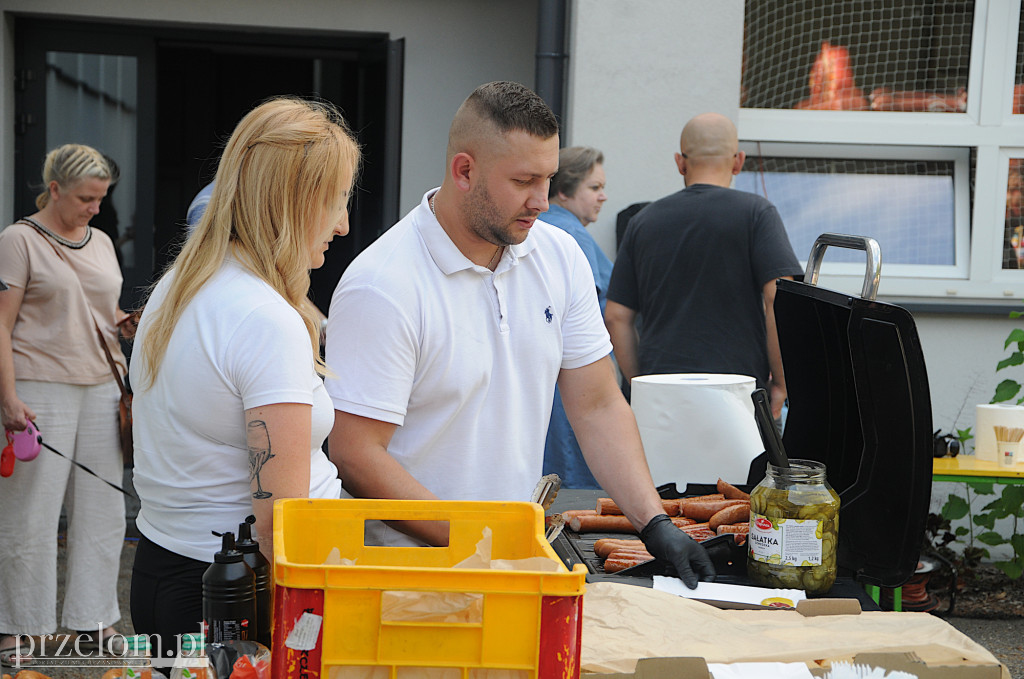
x: 1013, y: 499
x: 1005, y: 390
x: 961, y: 531
x: 1016, y: 358
x: 955, y: 508
x: 997, y: 508
x: 973, y: 554
x: 1016, y: 314
x: 1016, y: 335
x: 982, y: 487
x: 986, y: 520
x: 1012, y: 569
x: 964, y: 435
x: 991, y: 538
x: 1017, y: 541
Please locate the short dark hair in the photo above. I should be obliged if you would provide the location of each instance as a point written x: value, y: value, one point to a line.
x: 511, y: 106
x: 574, y: 164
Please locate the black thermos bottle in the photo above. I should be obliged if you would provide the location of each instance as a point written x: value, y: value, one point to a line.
x: 229, y: 596
x: 250, y: 550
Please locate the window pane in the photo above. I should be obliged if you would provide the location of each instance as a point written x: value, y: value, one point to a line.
x: 92, y: 99
x: 1013, y: 241
x: 866, y: 55
x: 907, y: 206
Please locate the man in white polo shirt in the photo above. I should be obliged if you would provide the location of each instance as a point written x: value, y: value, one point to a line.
x: 447, y: 336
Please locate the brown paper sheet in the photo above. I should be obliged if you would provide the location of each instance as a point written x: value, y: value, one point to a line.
x: 622, y: 623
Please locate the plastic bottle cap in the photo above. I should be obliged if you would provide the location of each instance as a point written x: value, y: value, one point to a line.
x: 138, y: 643
x: 245, y: 542
x: 192, y: 643
x: 227, y: 553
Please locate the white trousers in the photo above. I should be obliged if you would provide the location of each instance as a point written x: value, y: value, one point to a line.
x: 80, y: 422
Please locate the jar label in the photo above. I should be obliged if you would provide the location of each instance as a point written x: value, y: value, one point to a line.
x: 786, y: 542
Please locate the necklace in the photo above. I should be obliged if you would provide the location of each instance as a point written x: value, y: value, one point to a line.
x: 74, y: 245
x: 497, y: 250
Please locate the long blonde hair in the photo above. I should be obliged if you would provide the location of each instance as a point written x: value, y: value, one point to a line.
x: 287, y: 162
x: 69, y: 164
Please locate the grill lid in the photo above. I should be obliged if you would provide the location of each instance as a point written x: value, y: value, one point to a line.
x: 859, y: 402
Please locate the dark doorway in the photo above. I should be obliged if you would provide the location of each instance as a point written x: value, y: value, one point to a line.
x: 192, y: 88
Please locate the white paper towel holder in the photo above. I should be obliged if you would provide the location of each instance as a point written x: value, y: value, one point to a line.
x: 695, y: 446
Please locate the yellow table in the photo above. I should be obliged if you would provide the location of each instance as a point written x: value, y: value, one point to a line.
x: 963, y: 468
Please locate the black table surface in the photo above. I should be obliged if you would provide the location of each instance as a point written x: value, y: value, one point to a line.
x: 575, y: 548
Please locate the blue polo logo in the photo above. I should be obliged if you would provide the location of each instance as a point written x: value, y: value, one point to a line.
x: 548, y: 316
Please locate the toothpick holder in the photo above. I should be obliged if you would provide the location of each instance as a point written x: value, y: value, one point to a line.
x: 1008, y: 452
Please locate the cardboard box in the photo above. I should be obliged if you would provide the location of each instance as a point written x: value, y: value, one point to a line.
x: 909, y: 662
x: 696, y: 668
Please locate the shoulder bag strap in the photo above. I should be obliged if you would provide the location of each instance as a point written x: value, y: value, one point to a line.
x: 99, y: 333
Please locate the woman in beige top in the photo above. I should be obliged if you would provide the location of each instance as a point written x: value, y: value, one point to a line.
x: 62, y: 274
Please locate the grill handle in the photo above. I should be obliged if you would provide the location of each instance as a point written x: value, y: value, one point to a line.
x: 873, y: 272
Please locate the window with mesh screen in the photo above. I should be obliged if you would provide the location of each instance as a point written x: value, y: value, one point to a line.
x: 907, y: 206
x: 857, y: 55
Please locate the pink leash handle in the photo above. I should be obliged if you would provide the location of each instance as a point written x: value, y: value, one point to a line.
x: 25, y: 442
x: 26, y: 445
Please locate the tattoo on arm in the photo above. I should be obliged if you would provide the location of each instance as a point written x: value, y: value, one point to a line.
x: 258, y: 440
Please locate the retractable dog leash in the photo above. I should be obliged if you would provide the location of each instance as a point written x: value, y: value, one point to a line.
x: 25, y: 446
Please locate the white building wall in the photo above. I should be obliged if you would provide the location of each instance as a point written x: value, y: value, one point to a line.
x: 451, y: 46
x: 637, y: 72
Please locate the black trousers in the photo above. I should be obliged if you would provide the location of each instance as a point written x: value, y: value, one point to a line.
x: 167, y: 596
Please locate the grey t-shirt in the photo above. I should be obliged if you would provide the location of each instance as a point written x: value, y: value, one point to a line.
x: 693, y: 265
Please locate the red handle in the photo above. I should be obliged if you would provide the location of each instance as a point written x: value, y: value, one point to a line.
x: 7, y: 461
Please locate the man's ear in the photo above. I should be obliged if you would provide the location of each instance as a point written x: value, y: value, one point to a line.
x: 737, y: 162
x: 462, y: 168
x: 681, y: 164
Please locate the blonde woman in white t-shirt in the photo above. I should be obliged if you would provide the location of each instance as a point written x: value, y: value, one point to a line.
x: 62, y: 274
x: 230, y: 412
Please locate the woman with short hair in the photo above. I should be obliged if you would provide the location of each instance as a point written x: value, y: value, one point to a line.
x: 64, y: 282
x: 576, y: 195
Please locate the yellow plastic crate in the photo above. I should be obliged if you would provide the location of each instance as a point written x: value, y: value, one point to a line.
x: 328, y: 619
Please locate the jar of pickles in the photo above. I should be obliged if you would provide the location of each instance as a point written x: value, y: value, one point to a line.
x: 794, y: 529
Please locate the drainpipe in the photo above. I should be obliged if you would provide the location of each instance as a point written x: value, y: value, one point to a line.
x: 551, y: 56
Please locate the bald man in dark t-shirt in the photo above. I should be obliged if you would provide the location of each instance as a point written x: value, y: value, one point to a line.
x: 700, y: 266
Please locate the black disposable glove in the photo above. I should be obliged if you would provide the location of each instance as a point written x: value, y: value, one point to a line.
x: 665, y: 541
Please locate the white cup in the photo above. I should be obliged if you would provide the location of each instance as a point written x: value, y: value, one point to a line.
x: 1008, y: 453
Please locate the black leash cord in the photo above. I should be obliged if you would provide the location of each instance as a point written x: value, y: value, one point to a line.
x: 82, y: 466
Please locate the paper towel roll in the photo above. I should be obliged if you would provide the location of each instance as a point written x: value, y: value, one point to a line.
x: 696, y: 427
x: 991, y: 415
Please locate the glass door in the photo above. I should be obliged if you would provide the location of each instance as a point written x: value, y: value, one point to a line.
x: 93, y: 99
x: 80, y: 87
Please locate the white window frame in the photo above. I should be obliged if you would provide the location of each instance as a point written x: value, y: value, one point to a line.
x: 960, y: 158
x: 988, y: 126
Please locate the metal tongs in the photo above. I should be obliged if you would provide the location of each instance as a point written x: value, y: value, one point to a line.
x: 544, y: 495
x: 766, y: 427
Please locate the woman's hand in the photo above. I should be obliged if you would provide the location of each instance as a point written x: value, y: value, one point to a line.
x: 128, y: 324
x: 16, y: 414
